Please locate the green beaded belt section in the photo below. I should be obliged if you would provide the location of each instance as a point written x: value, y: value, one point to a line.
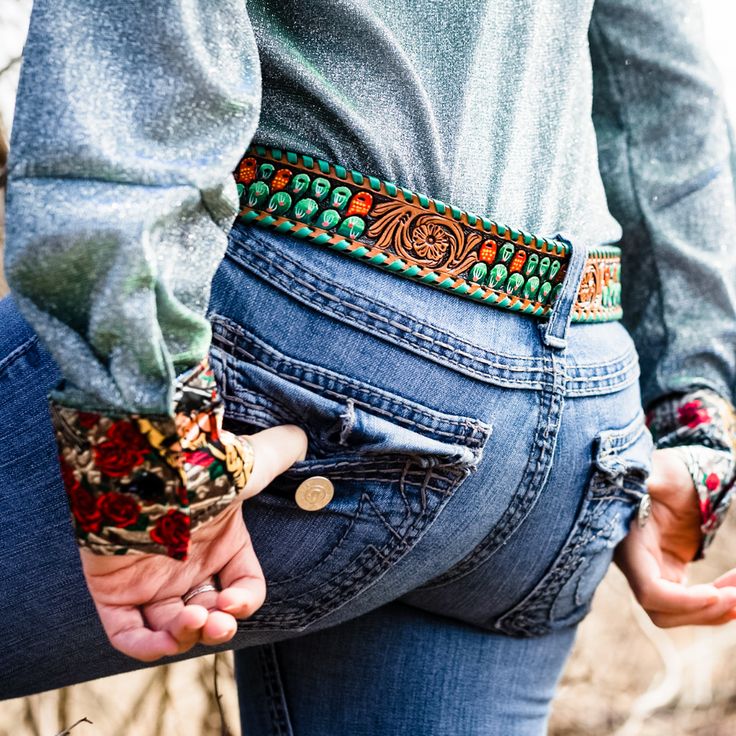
x: 420, y: 238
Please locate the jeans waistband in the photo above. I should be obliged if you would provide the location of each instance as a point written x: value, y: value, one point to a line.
x: 429, y: 241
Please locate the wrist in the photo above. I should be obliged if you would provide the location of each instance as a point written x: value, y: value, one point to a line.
x: 142, y: 484
x: 701, y: 427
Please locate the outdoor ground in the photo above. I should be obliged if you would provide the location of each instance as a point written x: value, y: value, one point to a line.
x: 625, y: 678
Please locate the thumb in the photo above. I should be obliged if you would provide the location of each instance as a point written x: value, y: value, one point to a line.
x: 275, y: 450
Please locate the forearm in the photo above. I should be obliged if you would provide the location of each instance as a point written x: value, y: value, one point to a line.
x: 129, y: 121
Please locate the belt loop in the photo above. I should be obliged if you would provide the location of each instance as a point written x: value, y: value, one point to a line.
x: 554, y: 332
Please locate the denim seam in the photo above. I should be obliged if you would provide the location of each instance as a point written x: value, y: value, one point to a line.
x: 322, y: 277
x: 474, y: 434
x: 591, y: 369
x: 329, y: 553
x: 378, y: 513
x: 270, y: 406
x: 446, y: 358
x: 524, y: 618
x: 523, y: 500
x: 278, y: 710
x: 403, y: 528
x: 621, y: 366
x: 364, y: 571
x: 17, y: 354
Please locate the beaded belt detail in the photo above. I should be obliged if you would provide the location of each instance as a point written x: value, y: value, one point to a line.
x: 421, y: 238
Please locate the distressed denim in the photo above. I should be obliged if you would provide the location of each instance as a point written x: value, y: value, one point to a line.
x: 482, y: 479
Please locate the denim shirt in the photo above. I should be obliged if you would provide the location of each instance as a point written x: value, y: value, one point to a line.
x: 601, y: 121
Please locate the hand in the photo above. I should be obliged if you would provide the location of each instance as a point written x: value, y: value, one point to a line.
x: 654, y: 558
x: 139, y: 597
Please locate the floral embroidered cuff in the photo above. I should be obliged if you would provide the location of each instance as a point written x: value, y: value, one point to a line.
x: 702, y: 426
x: 143, y: 484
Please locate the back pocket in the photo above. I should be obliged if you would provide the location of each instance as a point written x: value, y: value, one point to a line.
x: 620, y: 466
x: 392, y: 463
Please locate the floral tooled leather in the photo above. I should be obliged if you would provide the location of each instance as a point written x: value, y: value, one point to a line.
x: 420, y: 238
x: 701, y: 425
x: 143, y: 484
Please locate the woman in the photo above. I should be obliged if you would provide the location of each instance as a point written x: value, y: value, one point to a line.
x: 468, y: 469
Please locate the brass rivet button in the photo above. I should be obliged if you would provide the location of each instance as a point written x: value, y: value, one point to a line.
x: 314, y: 493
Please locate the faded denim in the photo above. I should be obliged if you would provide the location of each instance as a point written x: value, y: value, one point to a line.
x: 482, y: 479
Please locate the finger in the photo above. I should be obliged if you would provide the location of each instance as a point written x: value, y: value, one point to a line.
x: 206, y: 599
x: 219, y: 628
x: 243, y: 585
x: 184, y: 623
x: 275, y: 450
x: 663, y: 596
x: 728, y: 579
x: 126, y: 631
x: 716, y: 615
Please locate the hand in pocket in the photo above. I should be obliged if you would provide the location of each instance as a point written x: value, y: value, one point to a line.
x: 139, y: 597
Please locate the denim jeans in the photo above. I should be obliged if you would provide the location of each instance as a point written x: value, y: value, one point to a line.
x: 485, y: 465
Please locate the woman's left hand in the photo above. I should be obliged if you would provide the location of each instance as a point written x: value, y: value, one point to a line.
x: 654, y: 558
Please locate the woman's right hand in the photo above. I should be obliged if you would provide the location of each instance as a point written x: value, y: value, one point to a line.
x: 654, y: 558
x: 139, y: 597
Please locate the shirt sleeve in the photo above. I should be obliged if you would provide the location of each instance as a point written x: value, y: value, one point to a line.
x: 701, y: 425
x: 130, y: 118
x: 665, y: 151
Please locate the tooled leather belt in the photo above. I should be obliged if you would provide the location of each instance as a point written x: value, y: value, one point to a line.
x: 420, y: 238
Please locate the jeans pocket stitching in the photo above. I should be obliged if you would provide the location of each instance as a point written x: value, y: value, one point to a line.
x: 471, y: 431
x: 367, y: 567
x: 315, y: 565
x: 533, y: 615
x: 530, y: 485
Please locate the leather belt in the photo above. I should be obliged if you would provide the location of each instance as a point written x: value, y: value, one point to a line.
x: 420, y: 238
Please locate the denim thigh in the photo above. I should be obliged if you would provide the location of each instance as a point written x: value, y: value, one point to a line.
x: 477, y: 473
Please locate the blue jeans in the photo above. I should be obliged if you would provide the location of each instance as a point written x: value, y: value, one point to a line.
x: 485, y: 465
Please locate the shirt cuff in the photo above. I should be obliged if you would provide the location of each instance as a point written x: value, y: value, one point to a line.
x: 141, y: 484
x: 701, y: 424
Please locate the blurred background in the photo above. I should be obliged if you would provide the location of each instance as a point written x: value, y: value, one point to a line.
x: 625, y: 678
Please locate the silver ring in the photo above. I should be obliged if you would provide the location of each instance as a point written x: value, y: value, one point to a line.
x: 204, y: 588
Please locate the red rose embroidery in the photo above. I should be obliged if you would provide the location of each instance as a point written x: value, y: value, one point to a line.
x: 124, y: 450
x: 119, y: 509
x: 87, y: 420
x: 712, y: 482
x: 84, y: 509
x: 693, y: 413
x: 116, y: 460
x: 125, y: 434
x: 67, y: 475
x: 172, y: 531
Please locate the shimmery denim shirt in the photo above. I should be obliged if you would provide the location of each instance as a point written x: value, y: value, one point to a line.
x: 601, y: 121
